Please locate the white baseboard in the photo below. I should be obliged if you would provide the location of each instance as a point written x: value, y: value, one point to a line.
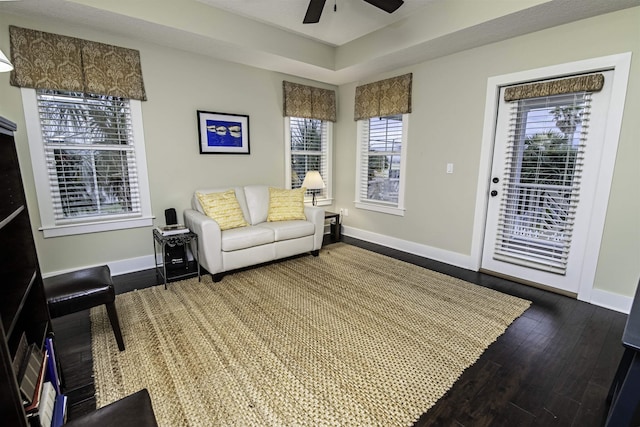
x: 132, y: 265
x: 124, y: 266
x: 611, y: 301
x: 598, y: 297
x: 118, y: 267
x: 448, y: 257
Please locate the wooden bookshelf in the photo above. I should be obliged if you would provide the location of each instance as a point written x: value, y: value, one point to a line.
x: 23, y: 306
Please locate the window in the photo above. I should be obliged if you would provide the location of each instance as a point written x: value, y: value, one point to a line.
x: 309, y: 148
x: 543, y: 170
x: 88, y: 160
x: 382, y: 146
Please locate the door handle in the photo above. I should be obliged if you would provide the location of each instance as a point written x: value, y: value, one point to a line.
x: 494, y: 193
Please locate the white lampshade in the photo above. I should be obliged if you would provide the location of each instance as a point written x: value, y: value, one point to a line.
x: 313, y: 181
x: 5, y: 65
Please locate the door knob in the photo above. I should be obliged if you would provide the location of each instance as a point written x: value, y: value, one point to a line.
x: 494, y: 193
x: 495, y: 180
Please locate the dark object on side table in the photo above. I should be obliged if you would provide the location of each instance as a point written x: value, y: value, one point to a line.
x: 624, y: 394
x: 134, y: 410
x: 170, y: 216
x: 175, y: 257
x: 83, y: 289
x: 335, y: 224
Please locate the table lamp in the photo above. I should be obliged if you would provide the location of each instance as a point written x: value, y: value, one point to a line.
x: 313, y: 181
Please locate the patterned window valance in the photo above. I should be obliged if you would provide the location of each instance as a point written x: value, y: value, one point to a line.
x: 589, y: 83
x: 308, y: 102
x: 384, y: 98
x: 51, y: 61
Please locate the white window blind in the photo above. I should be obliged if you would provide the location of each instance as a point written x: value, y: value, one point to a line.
x: 309, y: 152
x: 381, y: 160
x: 541, y: 185
x: 90, y: 156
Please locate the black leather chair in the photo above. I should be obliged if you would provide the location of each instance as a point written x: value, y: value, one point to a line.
x: 83, y: 289
x: 134, y: 410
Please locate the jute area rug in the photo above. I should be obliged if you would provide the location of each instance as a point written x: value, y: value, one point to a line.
x: 349, y: 338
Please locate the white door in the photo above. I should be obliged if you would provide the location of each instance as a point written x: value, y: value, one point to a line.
x: 546, y: 159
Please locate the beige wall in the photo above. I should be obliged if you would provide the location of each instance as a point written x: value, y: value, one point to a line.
x: 177, y: 84
x: 445, y: 127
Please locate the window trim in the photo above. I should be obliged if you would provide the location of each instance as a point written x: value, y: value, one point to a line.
x: 40, y: 175
x: 383, y: 207
x: 328, y: 200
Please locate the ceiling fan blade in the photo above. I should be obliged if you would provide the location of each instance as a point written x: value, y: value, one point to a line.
x: 313, y: 12
x: 386, y: 5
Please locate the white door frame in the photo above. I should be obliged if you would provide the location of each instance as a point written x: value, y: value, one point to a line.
x: 621, y: 64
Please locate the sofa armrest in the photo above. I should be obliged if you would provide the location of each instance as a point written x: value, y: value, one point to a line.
x: 209, y: 239
x: 316, y: 216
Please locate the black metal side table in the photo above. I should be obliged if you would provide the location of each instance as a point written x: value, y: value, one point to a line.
x: 335, y: 224
x: 173, y: 240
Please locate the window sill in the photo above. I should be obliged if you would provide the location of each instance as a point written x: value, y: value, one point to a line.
x: 320, y: 202
x: 95, y: 227
x: 391, y: 210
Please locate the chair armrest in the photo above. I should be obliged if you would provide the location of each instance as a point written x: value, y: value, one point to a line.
x: 209, y: 239
x: 316, y: 216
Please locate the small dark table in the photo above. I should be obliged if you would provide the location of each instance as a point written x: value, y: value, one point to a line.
x: 624, y: 394
x: 172, y: 240
x: 335, y: 224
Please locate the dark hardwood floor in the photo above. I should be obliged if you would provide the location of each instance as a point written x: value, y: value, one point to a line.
x: 552, y: 367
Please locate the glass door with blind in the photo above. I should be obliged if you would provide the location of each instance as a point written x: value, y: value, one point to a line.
x: 546, y: 155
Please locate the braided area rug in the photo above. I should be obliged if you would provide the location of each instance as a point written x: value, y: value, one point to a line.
x: 349, y: 338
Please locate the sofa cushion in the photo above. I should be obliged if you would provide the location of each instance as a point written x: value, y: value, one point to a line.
x: 286, y: 205
x: 285, y: 230
x: 257, y: 197
x: 245, y: 237
x: 223, y: 208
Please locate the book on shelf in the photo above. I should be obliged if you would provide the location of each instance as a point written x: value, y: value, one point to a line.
x: 44, y: 416
x: 35, y: 401
x: 30, y: 372
x: 169, y: 230
x: 20, y: 356
x: 59, y: 411
x: 52, y: 368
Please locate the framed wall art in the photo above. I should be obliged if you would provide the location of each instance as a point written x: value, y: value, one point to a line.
x: 222, y: 133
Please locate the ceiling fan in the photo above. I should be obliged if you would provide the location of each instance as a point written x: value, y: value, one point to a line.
x: 315, y: 8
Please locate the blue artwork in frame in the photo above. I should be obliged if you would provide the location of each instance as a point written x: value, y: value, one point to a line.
x: 222, y: 133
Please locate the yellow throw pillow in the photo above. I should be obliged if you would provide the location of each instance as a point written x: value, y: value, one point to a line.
x: 286, y: 205
x: 223, y: 208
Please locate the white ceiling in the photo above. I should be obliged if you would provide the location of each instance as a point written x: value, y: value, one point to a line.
x: 354, y: 44
x: 351, y: 20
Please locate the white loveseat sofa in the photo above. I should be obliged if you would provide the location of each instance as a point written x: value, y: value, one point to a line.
x: 257, y: 242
